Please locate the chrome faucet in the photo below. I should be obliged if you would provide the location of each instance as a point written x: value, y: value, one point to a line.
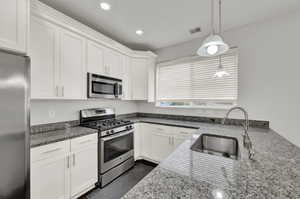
x: 246, y: 139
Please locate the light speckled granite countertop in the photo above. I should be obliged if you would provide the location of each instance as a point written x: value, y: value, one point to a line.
x: 58, y: 135
x: 185, y: 174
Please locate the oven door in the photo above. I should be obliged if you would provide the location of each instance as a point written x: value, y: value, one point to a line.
x: 115, y: 149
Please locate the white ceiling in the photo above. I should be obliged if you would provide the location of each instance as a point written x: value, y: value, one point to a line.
x: 166, y: 22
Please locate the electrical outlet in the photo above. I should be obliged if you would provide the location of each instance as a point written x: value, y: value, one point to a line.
x: 51, y: 113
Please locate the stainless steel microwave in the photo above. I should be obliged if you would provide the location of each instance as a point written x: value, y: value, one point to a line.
x: 104, y: 87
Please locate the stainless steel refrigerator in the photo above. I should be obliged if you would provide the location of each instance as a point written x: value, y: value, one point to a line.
x: 14, y: 126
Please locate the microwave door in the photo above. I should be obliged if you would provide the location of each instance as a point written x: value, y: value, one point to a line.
x: 103, y: 89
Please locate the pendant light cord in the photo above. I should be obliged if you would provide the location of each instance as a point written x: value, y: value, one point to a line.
x: 220, y: 17
x: 212, y: 17
x: 220, y: 31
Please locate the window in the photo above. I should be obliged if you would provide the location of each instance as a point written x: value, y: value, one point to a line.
x: 190, y: 82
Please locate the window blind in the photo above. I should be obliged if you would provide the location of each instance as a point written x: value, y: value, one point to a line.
x: 192, y: 79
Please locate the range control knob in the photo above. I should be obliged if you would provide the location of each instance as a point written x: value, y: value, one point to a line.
x: 112, y: 132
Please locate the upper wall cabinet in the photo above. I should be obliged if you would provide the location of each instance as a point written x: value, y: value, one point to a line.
x: 13, y: 22
x: 95, y: 58
x: 72, y: 65
x: 44, y: 58
x: 104, y: 61
x: 57, y: 62
x: 113, y: 63
x: 139, y: 75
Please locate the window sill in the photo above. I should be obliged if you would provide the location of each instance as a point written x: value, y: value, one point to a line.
x: 198, y: 107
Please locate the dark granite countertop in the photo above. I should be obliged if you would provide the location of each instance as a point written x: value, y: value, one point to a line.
x: 58, y: 135
x: 178, y: 123
x: 186, y: 174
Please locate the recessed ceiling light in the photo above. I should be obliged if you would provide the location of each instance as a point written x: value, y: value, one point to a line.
x: 105, y: 6
x: 139, y: 32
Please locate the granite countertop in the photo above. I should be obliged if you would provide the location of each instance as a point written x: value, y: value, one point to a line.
x: 178, y: 123
x: 58, y: 135
x: 185, y: 174
x: 43, y: 138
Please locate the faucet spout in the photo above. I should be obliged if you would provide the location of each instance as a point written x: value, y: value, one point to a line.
x: 246, y: 139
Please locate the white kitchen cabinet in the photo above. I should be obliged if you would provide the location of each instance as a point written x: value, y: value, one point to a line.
x: 151, y: 79
x: 44, y: 59
x: 64, y: 170
x: 72, y: 65
x: 50, y: 171
x: 84, y: 165
x: 158, y: 141
x: 113, y: 63
x: 161, y: 144
x: 57, y: 62
x: 139, y: 75
x: 14, y: 24
x: 127, y: 86
x: 146, y: 140
x: 137, y: 141
x: 95, y: 58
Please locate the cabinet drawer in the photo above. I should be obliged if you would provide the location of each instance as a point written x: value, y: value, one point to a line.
x: 50, y: 150
x: 180, y: 131
x: 84, y: 141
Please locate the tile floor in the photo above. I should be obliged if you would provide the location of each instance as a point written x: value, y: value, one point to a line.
x: 123, y: 184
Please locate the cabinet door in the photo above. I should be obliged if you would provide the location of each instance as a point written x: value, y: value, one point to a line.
x: 113, y: 63
x: 84, y: 169
x: 72, y: 65
x: 13, y: 23
x: 137, y: 141
x: 139, y: 77
x: 146, y: 143
x: 44, y: 54
x: 151, y: 79
x: 127, y: 91
x: 180, y: 135
x: 178, y: 140
x: 95, y: 58
x: 161, y: 145
x: 50, y: 178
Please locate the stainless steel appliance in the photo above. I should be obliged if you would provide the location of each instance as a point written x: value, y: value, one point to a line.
x: 104, y: 87
x: 115, y: 144
x: 14, y: 126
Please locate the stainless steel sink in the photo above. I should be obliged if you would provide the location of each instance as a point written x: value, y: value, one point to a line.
x: 217, y: 145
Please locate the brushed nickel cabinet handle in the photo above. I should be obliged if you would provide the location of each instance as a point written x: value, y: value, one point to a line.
x: 74, y: 161
x: 56, y: 91
x: 68, y: 161
x: 51, y: 151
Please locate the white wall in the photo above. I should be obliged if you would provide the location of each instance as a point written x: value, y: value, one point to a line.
x: 48, y: 111
x: 269, y: 69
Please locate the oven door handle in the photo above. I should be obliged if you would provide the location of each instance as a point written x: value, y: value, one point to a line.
x: 115, y: 136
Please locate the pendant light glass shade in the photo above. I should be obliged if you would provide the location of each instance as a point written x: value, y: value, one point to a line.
x: 221, y: 72
x: 213, y: 46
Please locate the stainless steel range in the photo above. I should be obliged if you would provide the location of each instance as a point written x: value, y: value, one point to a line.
x: 115, y: 144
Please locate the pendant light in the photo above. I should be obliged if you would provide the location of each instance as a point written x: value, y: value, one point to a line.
x: 214, y: 44
x: 221, y: 72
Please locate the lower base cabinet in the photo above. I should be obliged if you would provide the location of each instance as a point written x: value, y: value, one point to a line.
x: 156, y: 142
x: 64, y: 170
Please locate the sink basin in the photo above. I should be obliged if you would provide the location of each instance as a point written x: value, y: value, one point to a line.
x: 217, y: 145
